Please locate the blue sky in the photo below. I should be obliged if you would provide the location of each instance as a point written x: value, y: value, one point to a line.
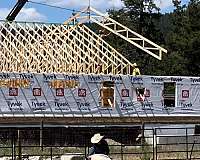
x: 34, y: 12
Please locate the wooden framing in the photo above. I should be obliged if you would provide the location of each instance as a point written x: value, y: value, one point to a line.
x: 57, y: 48
x: 68, y: 48
x: 90, y: 14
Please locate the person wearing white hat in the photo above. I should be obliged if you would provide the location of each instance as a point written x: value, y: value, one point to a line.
x: 136, y: 70
x: 100, y: 146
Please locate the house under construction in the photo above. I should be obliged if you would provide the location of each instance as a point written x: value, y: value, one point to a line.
x: 68, y: 71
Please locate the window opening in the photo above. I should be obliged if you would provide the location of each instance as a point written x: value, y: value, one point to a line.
x: 140, y: 92
x: 169, y: 94
x: 107, y: 94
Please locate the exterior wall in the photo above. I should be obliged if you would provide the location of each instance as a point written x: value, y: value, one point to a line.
x: 82, y: 95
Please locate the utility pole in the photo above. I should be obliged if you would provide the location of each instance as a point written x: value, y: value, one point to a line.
x: 89, y: 3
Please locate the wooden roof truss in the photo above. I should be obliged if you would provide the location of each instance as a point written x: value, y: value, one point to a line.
x: 103, y: 20
x: 68, y: 48
x: 57, y: 48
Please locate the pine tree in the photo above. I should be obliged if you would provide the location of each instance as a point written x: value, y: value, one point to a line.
x: 193, y: 50
x: 143, y: 17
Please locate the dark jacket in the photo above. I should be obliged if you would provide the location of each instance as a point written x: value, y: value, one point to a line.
x: 99, y: 148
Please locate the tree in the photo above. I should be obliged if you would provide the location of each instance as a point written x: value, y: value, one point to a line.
x: 193, y: 51
x: 143, y: 17
x: 178, y: 32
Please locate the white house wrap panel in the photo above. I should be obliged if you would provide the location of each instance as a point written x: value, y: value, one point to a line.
x: 96, y: 95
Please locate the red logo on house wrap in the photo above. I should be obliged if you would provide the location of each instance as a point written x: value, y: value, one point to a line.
x: 82, y: 92
x: 37, y: 91
x: 125, y: 93
x: 185, y: 93
x: 59, y: 91
x: 13, y: 91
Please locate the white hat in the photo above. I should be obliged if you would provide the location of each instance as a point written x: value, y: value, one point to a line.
x: 134, y: 64
x: 96, y: 138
